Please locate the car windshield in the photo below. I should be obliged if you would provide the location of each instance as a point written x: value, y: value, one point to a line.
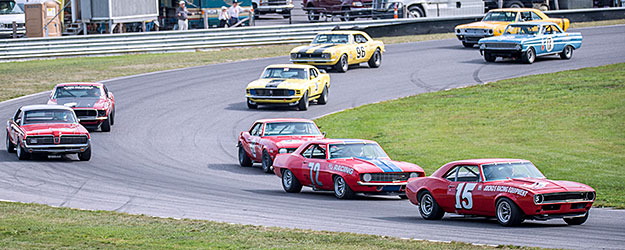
x: 291, y: 128
x: 76, y: 91
x: 331, y: 38
x: 285, y: 73
x: 502, y: 171
x: 49, y: 116
x: 357, y: 150
x: 9, y: 7
x: 525, y: 29
x: 500, y: 16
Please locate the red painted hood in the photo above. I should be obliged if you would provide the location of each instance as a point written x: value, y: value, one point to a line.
x: 54, y: 129
x: 379, y: 165
x: 291, y: 141
x: 543, y: 185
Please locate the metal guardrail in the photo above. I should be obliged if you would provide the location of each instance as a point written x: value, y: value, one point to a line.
x: 169, y: 41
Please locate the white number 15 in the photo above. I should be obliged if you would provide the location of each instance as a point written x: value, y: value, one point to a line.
x: 464, y: 195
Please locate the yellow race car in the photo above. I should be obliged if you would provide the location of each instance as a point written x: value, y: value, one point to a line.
x: 289, y: 85
x: 495, y: 22
x: 339, y: 49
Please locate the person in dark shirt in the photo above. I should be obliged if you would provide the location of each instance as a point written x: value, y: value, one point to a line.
x: 182, y: 14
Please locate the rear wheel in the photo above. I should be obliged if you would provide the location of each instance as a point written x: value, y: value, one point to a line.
x: 467, y: 45
x: 267, y: 162
x: 85, y: 156
x: 323, y: 99
x: 415, y: 12
x: 508, y: 213
x: 341, y: 189
x: 303, y: 103
x: 567, y: 52
x: 577, y: 220
x: 376, y: 59
x: 251, y: 105
x: 244, y: 160
x: 9, y: 144
x: 529, y: 56
x: 428, y: 207
x: 290, y: 183
x: 22, y: 154
x: 488, y: 57
x: 312, y: 15
x: 342, y: 65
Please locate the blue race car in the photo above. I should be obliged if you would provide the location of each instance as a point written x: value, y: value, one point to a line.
x: 527, y: 40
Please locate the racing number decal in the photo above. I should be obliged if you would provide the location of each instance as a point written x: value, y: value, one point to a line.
x: 547, y: 43
x: 464, y: 195
x: 314, y: 167
x: 360, y: 52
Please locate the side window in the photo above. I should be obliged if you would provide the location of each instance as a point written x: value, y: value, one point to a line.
x: 313, y: 73
x: 256, y: 130
x: 106, y: 91
x: 318, y: 152
x: 308, y: 151
x: 536, y: 16
x: 468, y: 174
x: 555, y: 29
x: 451, y: 175
x: 526, y: 16
x: 360, y: 38
x: 18, y: 116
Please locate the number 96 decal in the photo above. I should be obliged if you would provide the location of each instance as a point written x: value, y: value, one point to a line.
x: 464, y: 195
x: 360, y: 52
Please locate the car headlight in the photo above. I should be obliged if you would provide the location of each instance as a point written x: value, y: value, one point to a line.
x: 366, y: 177
x: 294, y: 55
x: 357, y: 4
x: 32, y: 141
x: 538, y: 199
x: 252, y: 92
x: 325, y: 55
x: 414, y: 175
x: 490, y: 32
x: 102, y: 113
x: 517, y: 47
x: 291, y: 92
x: 483, y: 46
x: 457, y: 30
x: 282, y: 151
x: 590, y: 196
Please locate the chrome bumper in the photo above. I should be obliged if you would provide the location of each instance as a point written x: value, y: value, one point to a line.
x: 382, y: 184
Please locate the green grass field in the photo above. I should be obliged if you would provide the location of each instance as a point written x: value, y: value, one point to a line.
x: 571, y: 124
x: 31, y: 226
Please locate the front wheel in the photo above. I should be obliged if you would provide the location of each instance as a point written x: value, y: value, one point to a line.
x: 312, y: 16
x: 508, y: 213
x: 85, y: 156
x: 488, y: 57
x: 9, y: 144
x: 415, y: 12
x: 290, y: 183
x: 341, y: 189
x: 303, y: 103
x: 342, y: 65
x: 429, y: 208
x: 106, y: 125
x: 577, y: 220
x: 251, y: 105
x: 567, y: 52
x: 323, y: 99
x: 467, y: 45
x: 21, y: 154
x: 244, y: 160
x: 529, y: 56
x: 267, y: 162
x: 376, y: 59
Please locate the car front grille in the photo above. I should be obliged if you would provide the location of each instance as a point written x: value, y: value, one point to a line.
x: 564, y: 196
x: 85, y: 112
x: 500, y: 45
x: 274, y: 2
x: 72, y: 139
x: 40, y: 140
x: 270, y: 92
x: 51, y: 140
x: 389, y: 177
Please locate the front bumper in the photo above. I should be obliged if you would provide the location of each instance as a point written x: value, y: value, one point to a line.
x: 315, y: 61
x: 380, y: 187
x: 280, y: 9
x: 559, y: 210
x: 506, y: 53
x: 58, y: 149
x: 470, y: 38
x: 284, y: 100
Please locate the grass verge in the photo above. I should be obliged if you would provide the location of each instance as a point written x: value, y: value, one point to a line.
x: 32, y: 226
x: 27, y: 77
x: 571, y: 124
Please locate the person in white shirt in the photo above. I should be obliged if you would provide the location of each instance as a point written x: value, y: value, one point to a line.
x: 234, y: 11
x: 223, y: 17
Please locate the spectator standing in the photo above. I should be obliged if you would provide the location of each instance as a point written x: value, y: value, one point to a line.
x: 182, y: 14
x: 223, y: 17
x: 234, y: 11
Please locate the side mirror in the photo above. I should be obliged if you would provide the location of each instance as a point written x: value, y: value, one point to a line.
x: 324, y: 133
x: 323, y: 71
x: 18, y: 121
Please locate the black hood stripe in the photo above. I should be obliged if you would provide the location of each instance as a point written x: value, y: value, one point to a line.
x: 273, y: 83
x: 322, y: 48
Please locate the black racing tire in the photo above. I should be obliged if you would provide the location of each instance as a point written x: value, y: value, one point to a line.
x: 514, y: 4
x: 106, y: 125
x: 341, y: 189
x: 468, y: 45
x: 346, y: 15
x: 376, y: 59
x: 488, y: 57
x: 313, y: 16
x: 567, y: 52
x: 267, y: 162
x: 251, y: 106
x: 342, y: 65
x: 303, y: 102
x: 85, y: 156
x: 112, y: 117
x: 508, y: 213
x: 429, y: 208
x: 323, y: 99
x: 290, y: 182
x: 577, y: 220
x: 9, y: 144
x: 244, y: 159
x: 21, y: 154
x: 403, y: 196
x: 529, y: 56
x: 415, y: 11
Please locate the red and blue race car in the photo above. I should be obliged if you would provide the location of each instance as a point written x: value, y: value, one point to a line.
x: 511, y: 190
x: 268, y: 137
x: 347, y: 166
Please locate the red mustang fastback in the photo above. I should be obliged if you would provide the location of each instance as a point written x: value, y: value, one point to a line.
x: 47, y: 129
x: 347, y: 166
x: 93, y: 103
x: 511, y: 190
x: 268, y: 137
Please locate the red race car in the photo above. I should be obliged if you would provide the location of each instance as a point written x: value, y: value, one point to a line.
x: 47, y: 129
x: 347, y: 166
x: 511, y: 190
x: 269, y: 137
x: 93, y: 103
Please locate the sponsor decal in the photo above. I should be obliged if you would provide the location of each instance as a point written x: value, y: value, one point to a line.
x: 505, y: 189
x: 341, y: 168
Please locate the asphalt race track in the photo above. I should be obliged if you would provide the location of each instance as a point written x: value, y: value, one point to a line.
x: 172, y: 150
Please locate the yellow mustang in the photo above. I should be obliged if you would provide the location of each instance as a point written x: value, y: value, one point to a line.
x: 290, y: 85
x: 339, y: 49
x: 495, y: 22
